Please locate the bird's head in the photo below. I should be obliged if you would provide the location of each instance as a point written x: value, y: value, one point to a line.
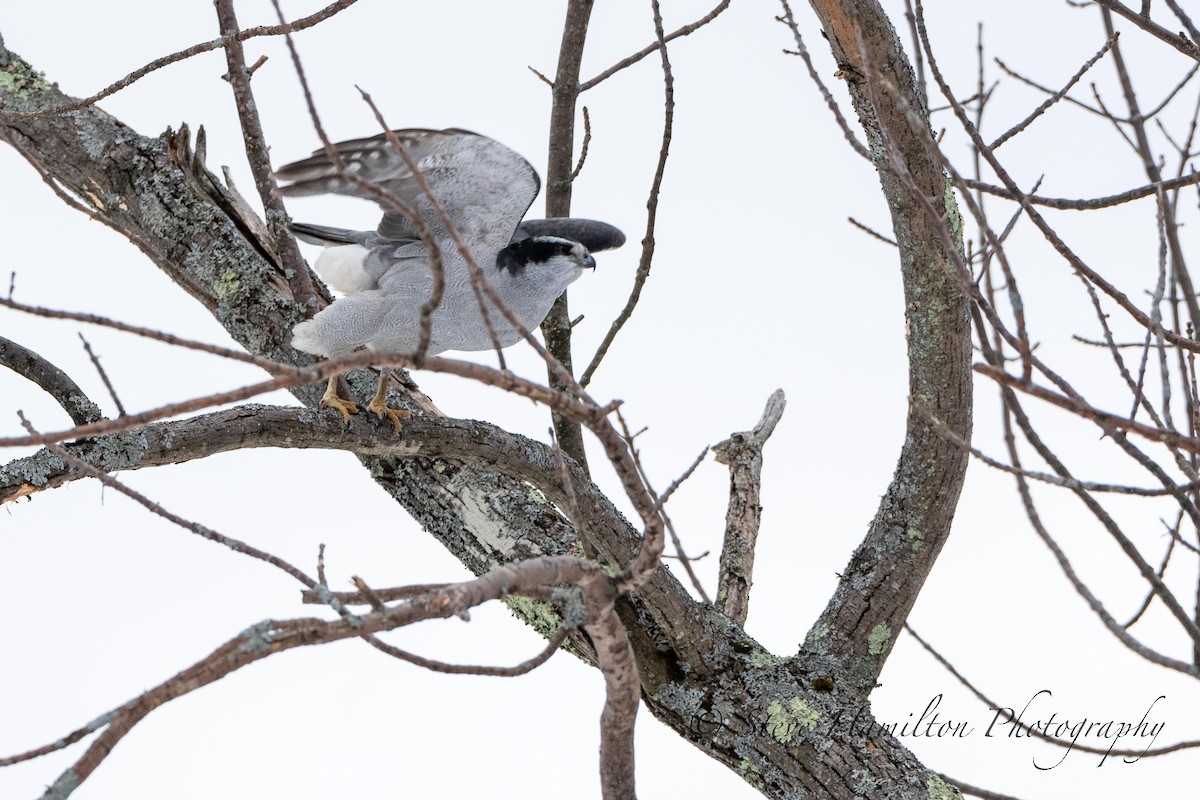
x: 549, y: 255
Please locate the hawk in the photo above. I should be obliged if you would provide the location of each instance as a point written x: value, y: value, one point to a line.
x: 387, y: 274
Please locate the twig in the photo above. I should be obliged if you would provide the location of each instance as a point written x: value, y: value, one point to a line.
x: 258, y: 156
x: 235, y: 545
x: 648, y: 241
x: 802, y: 51
x: 434, y: 665
x: 1054, y: 98
x: 1031, y: 730
x: 1086, y: 204
x: 194, y: 50
x: 583, y: 149
x: 112, y: 392
x: 650, y: 48
x: 684, y: 559
x: 273, y: 367
x: 871, y: 232
x: 1180, y: 43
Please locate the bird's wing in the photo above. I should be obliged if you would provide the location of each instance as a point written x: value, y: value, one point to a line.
x: 484, y: 187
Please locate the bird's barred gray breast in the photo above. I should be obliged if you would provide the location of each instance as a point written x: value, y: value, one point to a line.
x: 387, y: 275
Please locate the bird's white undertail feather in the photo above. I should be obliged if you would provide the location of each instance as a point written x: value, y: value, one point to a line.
x: 341, y: 267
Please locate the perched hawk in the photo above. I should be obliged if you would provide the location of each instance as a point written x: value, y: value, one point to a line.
x: 387, y: 275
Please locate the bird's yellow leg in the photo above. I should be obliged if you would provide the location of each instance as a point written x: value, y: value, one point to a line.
x: 331, y: 400
x: 379, y: 407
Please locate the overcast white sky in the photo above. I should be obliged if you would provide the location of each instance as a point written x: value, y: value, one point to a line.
x: 759, y: 283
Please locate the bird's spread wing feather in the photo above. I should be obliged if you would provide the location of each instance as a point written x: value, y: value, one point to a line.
x: 484, y: 187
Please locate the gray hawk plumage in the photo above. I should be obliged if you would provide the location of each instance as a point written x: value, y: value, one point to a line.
x: 387, y: 274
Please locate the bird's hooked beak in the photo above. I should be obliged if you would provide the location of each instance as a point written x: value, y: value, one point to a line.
x: 588, y: 262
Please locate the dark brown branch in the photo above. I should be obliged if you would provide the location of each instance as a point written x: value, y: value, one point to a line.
x: 1086, y: 204
x: 622, y: 696
x: 560, y: 173
x: 275, y: 636
x: 802, y: 51
x: 195, y: 50
x: 742, y: 452
x: 1054, y: 98
x: 271, y: 367
x: 258, y: 156
x: 655, y: 45
x: 1180, y: 43
x: 112, y: 392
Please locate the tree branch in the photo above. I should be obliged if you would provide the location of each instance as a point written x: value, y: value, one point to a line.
x: 857, y: 630
x: 743, y: 453
x: 54, y: 381
x: 560, y: 170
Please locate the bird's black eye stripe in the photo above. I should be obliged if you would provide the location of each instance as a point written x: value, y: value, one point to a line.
x: 534, y: 250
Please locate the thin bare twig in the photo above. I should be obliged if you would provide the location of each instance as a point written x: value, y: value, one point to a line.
x: 112, y: 392
x: 204, y: 47
x: 272, y: 367
x: 648, y: 241
x: 871, y: 232
x: 650, y: 48
x: 684, y: 559
x: 1179, y: 42
x: 1054, y: 98
x: 258, y: 156
x: 802, y: 52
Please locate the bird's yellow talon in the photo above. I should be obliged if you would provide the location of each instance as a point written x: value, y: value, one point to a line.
x: 331, y: 400
x: 395, y: 415
x: 379, y: 407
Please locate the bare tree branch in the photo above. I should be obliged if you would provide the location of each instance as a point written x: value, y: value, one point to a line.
x: 54, y: 381
x: 742, y: 452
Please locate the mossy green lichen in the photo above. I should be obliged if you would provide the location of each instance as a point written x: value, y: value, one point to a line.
x: 784, y: 720
x: 538, y: 615
x: 751, y: 773
x: 226, y: 285
x: 18, y: 79
x: 819, y: 632
x: 954, y: 217
x: 878, y: 639
x: 763, y: 660
x: 915, y: 539
x: 938, y: 789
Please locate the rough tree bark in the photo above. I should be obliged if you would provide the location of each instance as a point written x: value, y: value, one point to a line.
x: 796, y: 726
